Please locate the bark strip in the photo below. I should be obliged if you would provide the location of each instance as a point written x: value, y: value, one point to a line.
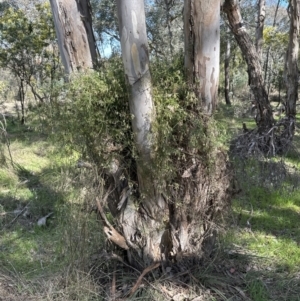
x: 76, y: 41
x: 202, y: 50
x: 259, y: 40
x: 109, y: 230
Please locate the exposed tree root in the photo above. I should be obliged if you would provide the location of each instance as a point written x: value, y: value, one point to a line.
x: 272, y: 141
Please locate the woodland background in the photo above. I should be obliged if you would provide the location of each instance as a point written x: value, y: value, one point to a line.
x: 67, y: 141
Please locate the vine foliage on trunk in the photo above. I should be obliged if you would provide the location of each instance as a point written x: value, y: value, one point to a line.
x: 168, y: 185
x: 193, y: 192
x: 180, y: 182
x: 189, y: 174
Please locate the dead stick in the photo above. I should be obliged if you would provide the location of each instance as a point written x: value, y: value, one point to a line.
x: 117, y: 257
x: 146, y: 270
x: 113, y: 285
x: 19, y: 214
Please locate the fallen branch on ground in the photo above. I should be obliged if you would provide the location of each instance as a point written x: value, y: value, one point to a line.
x: 273, y: 141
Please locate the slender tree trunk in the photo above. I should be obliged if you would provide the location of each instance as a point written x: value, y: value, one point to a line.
x: 168, y: 4
x: 291, y: 69
x: 260, y: 27
x: 268, y: 51
x: 264, y: 118
x: 73, y: 25
x: 270, y: 77
x: 188, y: 41
x: 22, y: 100
x: 202, y: 49
x: 135, y: 57
x: 227, y: 70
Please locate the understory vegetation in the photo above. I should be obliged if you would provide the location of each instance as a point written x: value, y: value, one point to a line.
x: 123, y: 174
x: 257, y: 256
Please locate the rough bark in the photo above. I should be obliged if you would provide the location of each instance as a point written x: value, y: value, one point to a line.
x: 21, y: 94
x: 227, y: 71
x: 264, y: 118
x: 291, y: 68
x: 73, y: 25
x: 269, y: 138
x: 202, y: 49
x: 260, y: 27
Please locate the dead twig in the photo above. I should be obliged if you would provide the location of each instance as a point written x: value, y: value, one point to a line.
x: 120, y: 259
x: 145, y: 271
x: 113, y: 285
x: 273, y: 141
x: 18, y: 215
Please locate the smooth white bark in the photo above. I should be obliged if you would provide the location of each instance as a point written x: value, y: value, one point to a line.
x: 135, y: 57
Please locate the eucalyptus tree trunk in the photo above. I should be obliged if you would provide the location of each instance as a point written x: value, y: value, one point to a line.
x: 259, y: 40
x: 202, y: 49
x: 227, y: 70
x: 142, y: 235
x: 264, y: 118
x: 163, y: 222
x: 76, y: 41
x: 291, y: 64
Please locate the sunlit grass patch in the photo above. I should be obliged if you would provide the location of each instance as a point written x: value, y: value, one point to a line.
x: 44, y: 178
x: 32, y: 253
x: 269, y: 224
x: 281, y: 254
x: 28, y: 155
x: 8, y: 178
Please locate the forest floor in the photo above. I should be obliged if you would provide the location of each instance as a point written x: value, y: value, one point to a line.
x: 257, y: 256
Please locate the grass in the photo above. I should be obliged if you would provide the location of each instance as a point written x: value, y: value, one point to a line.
x: 32, y: 258
x: 264, y: 224
x: 274, y: 219
x: 258, y: 256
